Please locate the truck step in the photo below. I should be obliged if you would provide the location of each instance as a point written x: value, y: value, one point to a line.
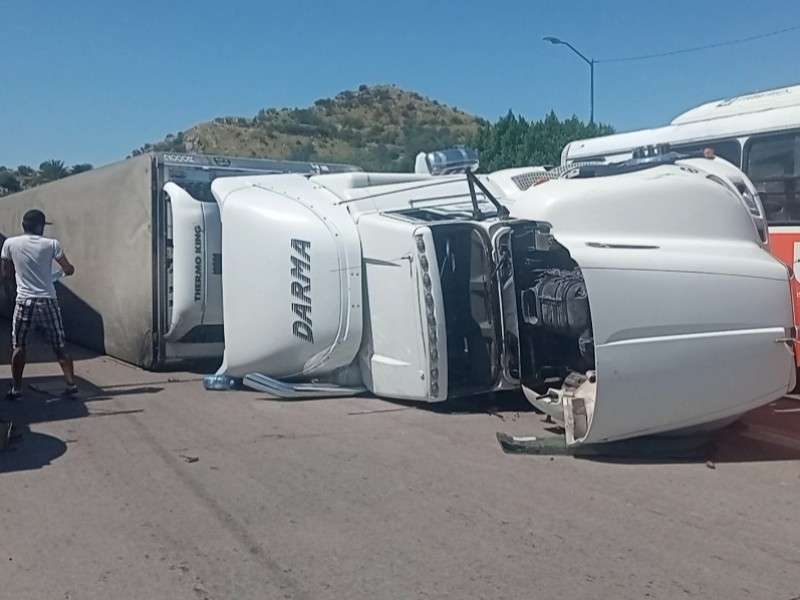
x: 283, y: 389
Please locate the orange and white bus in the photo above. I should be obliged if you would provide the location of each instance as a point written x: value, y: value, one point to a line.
x: 759, y: 133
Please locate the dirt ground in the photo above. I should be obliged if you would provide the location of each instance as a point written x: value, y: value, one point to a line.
x: 150, y: 487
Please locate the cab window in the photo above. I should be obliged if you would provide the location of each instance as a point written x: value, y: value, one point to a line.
x: 773, y: 165
x: 730, y: 150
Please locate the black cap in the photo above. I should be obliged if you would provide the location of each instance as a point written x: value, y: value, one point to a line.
x: 34, y: 218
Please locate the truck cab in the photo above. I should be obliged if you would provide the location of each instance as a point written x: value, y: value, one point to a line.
x: 402, y: 283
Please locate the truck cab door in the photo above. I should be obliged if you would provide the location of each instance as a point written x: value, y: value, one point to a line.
x: 403, y: 353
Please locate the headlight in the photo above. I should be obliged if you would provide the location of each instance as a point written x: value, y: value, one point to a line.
x: 751, y: 202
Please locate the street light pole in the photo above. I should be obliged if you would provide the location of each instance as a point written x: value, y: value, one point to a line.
x: 589, y: 61
x: 591, y: 94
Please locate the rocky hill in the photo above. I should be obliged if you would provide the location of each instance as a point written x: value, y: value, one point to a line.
x: 378, y: 128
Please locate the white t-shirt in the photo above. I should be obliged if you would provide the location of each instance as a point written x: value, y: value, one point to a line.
x: 33, y: 257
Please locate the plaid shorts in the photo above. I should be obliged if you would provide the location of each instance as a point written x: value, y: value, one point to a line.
x: 43, y: 313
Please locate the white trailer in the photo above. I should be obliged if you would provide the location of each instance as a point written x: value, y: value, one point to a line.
x: 144, y: 234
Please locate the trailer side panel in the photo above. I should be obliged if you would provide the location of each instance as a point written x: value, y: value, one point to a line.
x: 104, y: 222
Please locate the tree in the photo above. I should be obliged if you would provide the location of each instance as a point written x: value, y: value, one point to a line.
x: 51, y: 170
x: 9, y: 182
x: 80, y: 168
x: 514, y: 142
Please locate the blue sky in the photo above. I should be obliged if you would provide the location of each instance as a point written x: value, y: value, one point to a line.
x: 90, y: 80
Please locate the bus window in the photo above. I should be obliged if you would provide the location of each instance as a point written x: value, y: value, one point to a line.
x: 773, y: 165
x: 730, y: 150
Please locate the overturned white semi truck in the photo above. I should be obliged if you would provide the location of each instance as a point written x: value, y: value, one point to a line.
x: 651, y: 306
x: 144, y: 234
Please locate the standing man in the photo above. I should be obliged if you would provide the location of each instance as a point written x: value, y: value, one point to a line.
x: 30, y: 257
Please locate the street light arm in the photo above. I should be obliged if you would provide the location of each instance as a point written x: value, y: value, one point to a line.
x: 557, y: 41
x: 571, y: 47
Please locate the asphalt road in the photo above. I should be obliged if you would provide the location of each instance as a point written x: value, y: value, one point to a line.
x: 152, y: 488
